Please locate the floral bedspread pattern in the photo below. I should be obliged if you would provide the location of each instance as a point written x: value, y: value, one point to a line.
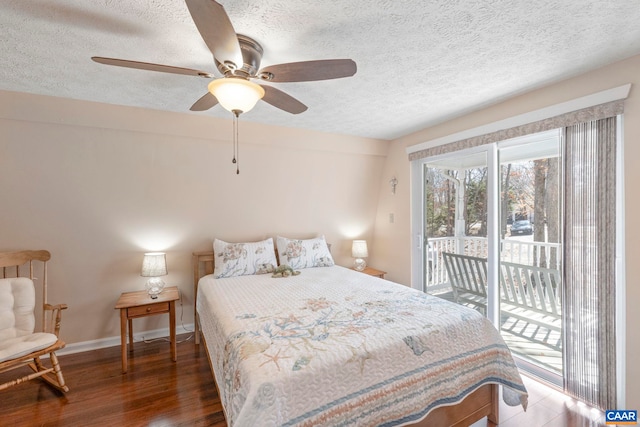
x: 336, y: 347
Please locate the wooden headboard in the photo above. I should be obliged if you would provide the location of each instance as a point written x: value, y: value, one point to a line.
x: 202, y: 265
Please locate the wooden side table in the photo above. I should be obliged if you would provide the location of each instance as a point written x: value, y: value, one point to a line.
x: 139, y: 304
x: 373, y: 272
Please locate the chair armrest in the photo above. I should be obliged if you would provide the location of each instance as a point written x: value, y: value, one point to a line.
x: 53, y: 320
x: 55, y: 307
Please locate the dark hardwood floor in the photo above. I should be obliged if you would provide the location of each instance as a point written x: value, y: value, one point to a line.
x: 154, y: 392
x: 157, y: 392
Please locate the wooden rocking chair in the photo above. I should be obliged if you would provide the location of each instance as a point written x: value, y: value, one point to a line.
x: 20, y: 344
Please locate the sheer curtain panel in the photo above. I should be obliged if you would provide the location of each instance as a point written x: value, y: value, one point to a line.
x: 589, y: 270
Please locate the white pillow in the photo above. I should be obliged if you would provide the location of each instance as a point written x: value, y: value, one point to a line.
x: 308, y: 253
x: 239, y: 259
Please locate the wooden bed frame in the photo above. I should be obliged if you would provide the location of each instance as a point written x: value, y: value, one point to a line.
x: 479, y: 404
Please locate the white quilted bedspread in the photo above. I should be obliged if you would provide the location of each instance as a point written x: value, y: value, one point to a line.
x: 336, y: 347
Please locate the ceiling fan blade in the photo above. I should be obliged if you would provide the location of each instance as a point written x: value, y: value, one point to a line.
x: 281, y: 100
x: 308, y: 71
x: 216, y: 30
x: 151, y: 67
x: 207, y: 101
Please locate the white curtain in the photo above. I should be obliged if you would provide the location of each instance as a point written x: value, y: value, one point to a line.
x: 589, y: 262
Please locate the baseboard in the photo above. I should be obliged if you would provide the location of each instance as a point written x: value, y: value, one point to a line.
x: 83, y: 346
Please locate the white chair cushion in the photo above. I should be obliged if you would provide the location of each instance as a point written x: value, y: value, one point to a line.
x: 17, y: 320
x: 25, y: 344
x: 17, y: 303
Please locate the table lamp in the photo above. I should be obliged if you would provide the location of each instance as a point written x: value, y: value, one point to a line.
x: 359, y: 251
x: 154, y: 265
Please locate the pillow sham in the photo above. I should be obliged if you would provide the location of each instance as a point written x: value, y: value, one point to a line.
x: 298, y: 253
x: 240, y: 259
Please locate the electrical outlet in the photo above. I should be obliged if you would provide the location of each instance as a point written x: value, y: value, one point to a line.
x: 391, y: 218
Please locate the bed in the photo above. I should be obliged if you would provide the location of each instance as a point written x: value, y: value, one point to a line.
x: 332, y: 346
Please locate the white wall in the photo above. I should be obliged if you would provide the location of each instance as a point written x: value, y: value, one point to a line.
x: 392, y: 242
x: 98, y: 185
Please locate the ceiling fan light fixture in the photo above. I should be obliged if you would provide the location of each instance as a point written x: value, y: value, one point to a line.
x: 236, y: 94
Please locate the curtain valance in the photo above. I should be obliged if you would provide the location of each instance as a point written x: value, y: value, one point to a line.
x: 596, y: 112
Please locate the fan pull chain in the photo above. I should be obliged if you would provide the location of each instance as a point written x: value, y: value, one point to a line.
x: 236, y: 152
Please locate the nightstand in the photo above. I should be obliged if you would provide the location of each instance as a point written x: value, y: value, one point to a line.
x: 137, y: 304
x: 373, y: 272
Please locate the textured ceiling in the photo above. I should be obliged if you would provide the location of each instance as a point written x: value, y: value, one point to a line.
x: 419, y: 63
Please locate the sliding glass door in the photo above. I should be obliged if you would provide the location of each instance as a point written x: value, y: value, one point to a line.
x: 491, y: 239
x: 456, y: 212
x: 543, y: 258
x: 531, y: 252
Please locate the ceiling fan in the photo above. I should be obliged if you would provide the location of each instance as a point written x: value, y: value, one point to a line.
x: 238, y: 58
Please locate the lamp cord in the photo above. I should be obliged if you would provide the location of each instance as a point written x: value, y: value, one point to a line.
x: 191, y: 335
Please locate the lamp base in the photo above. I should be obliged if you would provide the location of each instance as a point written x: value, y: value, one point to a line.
x: 154, y: 286
x: 359, y: 264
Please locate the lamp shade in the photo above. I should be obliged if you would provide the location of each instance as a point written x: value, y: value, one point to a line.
x: 236, y: 94
x: 359, y: 249
x: 154, y: 264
